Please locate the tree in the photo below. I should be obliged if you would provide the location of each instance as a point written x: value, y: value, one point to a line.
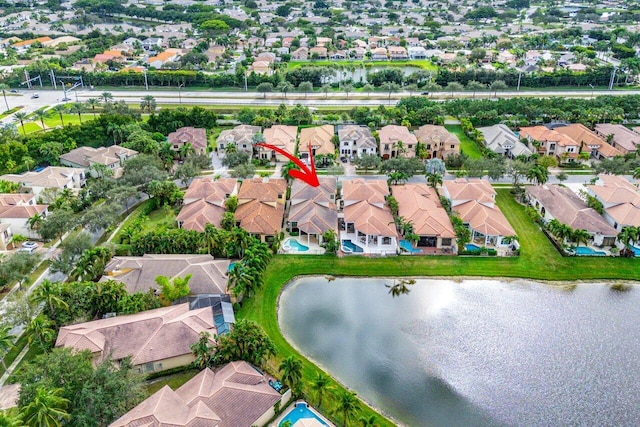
x: 48, y: 409
x: 547, y: 161
x: 214, y: 27
x: 264, y: 88
x: 40, y: 332
x: 285, y: 87
x: 148, y: 103
x: 291, y: 369
x: 320, y: 385
x: 165, y: 192
x: 368, y: 161
x: 636, y: 173
x: 6, y: 342
x: 347, y: 88
x: 47, y: 294
x: 434, y: 179
x: 580, y: 236
x: 60, y: 109
x: 21, y: 117
x: 326, y: 89
x: 562, y: 176
x: 77, y: 108
x: 246, y: 341
x: 175, y: 289
x: 56, y: 224
x: 101, y: 170
x: 8, y: 419
x: 243, y: 171
x: 106, y: 97
x: 454, y: 87
x: 330, y: 242
x: 228, y: 221
x: 368, y: 88
x: 538, y: 174
x: 477, y: 54
x: 72, y: 247
x: 475, y: 86
x: 368, y: 422
x: 203, y: 351
x: 93, y: 103
x: 101, y: 216
x: 4, y: 87
x: 41, y: 115
x: 498, y: 85
x: 347, y: 406
x: 305, y: 87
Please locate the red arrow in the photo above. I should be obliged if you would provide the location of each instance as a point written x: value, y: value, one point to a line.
x: 305, y: 174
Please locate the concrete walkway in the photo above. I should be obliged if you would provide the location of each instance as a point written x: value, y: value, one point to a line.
x: 14, y: 365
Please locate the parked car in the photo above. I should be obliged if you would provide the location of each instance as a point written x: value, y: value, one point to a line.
x: 35, y: 95
x: 424, y: 93
x: 14, y: 91
x: 29, y: 247
x: 343, y: 159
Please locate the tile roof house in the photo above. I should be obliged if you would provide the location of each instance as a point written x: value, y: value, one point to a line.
x: 379, y: 53
x: 473, y: 200
x: 300, y: 54
x: 23, y: 46
x: 84, y: 157
x: 237, y: 395
x: 556, y: 202
x: 420, y: 205
x: 397, y: 53
x: 623, y: 138
x: 356, y: 140
x: 501, y: 140
x: 197, y: 137
x: 366, y: 224
x: 439, y: 142
x: 281, y: 136
x: 169, y: 55
x: 261, y: 207
x: 50, y: 177
x: 313, y: 210
x: 138, y: 274
x: 551, y: 143
x: 620, y: 199
x: 242, y: 136
x: 15, y: 212
x: 320, y: 138
x: 318, y: 52
x: 204, y: 202
x: 156, y: 340
x: 390, y: 138
x: 589, y: 141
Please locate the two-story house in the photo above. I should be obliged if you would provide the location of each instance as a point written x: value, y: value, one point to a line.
x: 241, y: 137
x: 356, y: 141
x: 261, y: 207
x: 112, y: 157
x: 548, y: 142
x: 439, y: 142
x: 281, y: 136
x: 397, y: 141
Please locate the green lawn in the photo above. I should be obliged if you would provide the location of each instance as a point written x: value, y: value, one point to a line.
x: 467, y: 146
x: 157, y: 218
x: 174, y: 381
x: 54, y: 119
x: 424, y: 64
x: 538, y: 260
x: 28, y: 127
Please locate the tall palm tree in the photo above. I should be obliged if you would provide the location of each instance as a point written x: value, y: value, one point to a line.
x: 41, y: 115
x: 21, y: 117
x: 434, y: 179
x: 47, y: 409
x: 78, y: 108
x: 60, y: 109
x: 6, y: 342
x: 48, y: 293
x: 400, y: 287
x: 538, y: 174
x: 3, y: 88
x: 347, y: 406
x: 107, y: 97
x: 320, y: 385
x: 148, y: 103
x: 28, y: 162
x: 8, y: 419
x: 40, y: 331
x: 35, y: 221
x: 93, y: 103
x: 291, y: 369
x: 580, y: 236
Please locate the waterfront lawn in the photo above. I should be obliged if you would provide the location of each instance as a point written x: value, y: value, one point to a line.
x: 538, y: 260
x: 467, y: 146
x: 424, y: 64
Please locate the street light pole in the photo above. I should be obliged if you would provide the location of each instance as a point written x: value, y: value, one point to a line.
x: 591, y: 90
x: 146, y: 82
x: 180, y: 92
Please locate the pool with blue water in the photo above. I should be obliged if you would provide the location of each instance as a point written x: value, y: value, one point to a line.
x: 297, y: 245
x: 472, y: 247
x: 351, y: 247
x: 406, y: 245
x: 298, y: 412
x: 585, y: 250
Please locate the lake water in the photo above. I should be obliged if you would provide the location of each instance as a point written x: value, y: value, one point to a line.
x: 475, y: 352
x: 360, y: 74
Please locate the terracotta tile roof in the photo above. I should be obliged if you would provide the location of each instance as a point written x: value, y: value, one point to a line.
x: 86, y: 156
x: 16, y: 199
x: 615, y: 190
x: 581, y: 134
x: 32, y: 41
x: 204, y: 202
x: 149, y: 336
x: 436, y: 135
x: 419, y: 204
x: 261, y: 205
x: 319, y: 137
x: 237, y: 395
x: 313, y: 208
x: 541, y: 133
x: 208, y: 275
x: 364, y: 205
x: 242, y: 134
x: 625, y: 214
x: 21, y: 211
x: 373, y: 191
x: 282, y: 137
x: 622, y: 136
x: 462, y: 189
x: 391, y: 134
x: 565, y: 206
x: 489, y: 221
x: 196, y: 136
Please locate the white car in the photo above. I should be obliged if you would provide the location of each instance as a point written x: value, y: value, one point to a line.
x: 29, y: 247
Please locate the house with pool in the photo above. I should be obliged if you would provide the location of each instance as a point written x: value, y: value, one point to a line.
x: 204, y: 202
x: 420, y: 205
x: 555, y: 202
x: 366, y: 223
x: 474, y: 201
x: 236, y: 395
x: 261, y: 207
x: 620, y: 199
x: 312, y: 212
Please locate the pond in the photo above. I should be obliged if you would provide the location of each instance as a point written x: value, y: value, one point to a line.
x: 359, y: 74
x: 475, y: 352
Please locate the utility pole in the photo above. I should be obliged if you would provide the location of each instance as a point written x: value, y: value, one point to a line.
x: 179, y: 92
x: 53, y: 80
x: 146, y: 82
x: 519, y: 79
x: 245, y: 82
x: 613, y: 77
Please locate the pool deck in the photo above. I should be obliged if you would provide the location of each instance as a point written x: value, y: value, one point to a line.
x: 314, y: 247
x: 292, y: 406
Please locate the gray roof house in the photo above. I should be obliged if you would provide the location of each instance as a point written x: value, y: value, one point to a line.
x: 208, y: 275
x: 356, y: 140
x: 84, y: 157
x: 241, y: 136
x: 501, y: 140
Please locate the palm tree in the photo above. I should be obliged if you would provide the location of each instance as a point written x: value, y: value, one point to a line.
x: 48, y: 293
x: 107, y: 97
x: 60, y: 109
x: 368, y: 422
x: 347, y: 405
x: 3, y: 88
x: 434, y: 179
x: 580, y: 236
x: 148, y: 103
x: 28, y: 162
x: 6, y: 342
x: 320, y: 385
x: 538, y: 174
x: 291, y: 369
x: 47, y: 409
x: 35, y: 221
x: 40, y: 331
x: 41, y: 115
x: 93, y: 103
x: 77, y: 108
x: 8, y: 419
x: 21, y: 117
x: 636, y: 173
x: 400, y: 287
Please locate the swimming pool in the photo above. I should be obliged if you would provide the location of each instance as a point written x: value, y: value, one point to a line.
x: 471, y: 247
x: 231, y: 265
x: 349, y: 247
x: 585, y: 250
x: 298, y: 412
x: 293, y: 244
x: 635, y: 250
x: 406, y: 245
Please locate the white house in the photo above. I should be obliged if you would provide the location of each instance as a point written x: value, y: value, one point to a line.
x: 50, y: 177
